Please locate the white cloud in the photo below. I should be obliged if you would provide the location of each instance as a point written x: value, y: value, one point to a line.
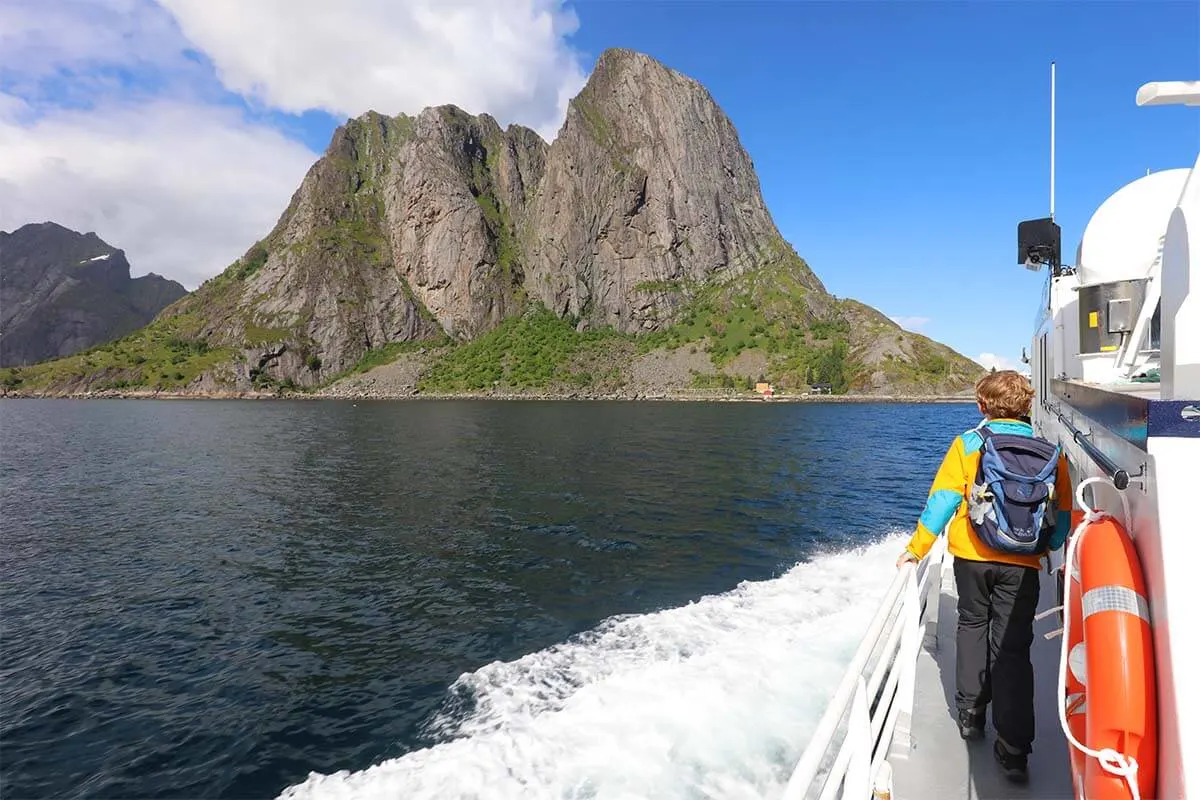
x: 110, y: 122
x: 991, y: 360
x: 910, y: 323
x: 77, y: 52
x: 41, y: 36
x: 183, y: 189
x: 506, y: 57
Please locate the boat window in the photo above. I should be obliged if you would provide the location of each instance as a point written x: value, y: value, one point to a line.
x: 1156, y: 327
x: 1043, y: 369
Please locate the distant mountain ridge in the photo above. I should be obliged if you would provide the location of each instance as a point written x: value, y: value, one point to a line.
x: 642, y: 227
x: 62, y: 292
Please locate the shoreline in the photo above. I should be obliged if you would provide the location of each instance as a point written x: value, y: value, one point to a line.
x: 653, y: 397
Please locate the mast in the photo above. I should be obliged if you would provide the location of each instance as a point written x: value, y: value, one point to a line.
x: 1052, y: 140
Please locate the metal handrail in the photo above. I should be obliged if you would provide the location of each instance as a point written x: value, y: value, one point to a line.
x: 876, y: 691
x: 1120, y: 476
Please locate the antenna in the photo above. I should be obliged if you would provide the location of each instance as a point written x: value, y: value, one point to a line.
x: 1052, y: 140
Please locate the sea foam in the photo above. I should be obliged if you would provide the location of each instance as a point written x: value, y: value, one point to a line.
x: 714, y: 699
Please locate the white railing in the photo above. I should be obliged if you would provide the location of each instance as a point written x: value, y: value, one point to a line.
x: 872, y: 706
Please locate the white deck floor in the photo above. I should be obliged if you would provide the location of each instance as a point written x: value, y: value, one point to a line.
x: 939, y: 763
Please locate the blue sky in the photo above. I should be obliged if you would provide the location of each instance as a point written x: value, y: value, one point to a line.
x: 898, y: 144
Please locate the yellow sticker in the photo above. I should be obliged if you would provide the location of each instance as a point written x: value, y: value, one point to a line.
x: 1105, y: 348
x: 1094, y: 319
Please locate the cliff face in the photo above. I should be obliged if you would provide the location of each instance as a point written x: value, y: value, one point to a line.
x: 646, y: 189
x: 62, y: 292
x: 644, y: 217
x: 396, y: 234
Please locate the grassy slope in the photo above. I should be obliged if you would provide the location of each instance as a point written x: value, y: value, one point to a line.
x: 537, y: 350
x: 903, y: 360
x: 767, y: 310
x: 171, y: 351
x: 803, y: 340
x: 167, y: 354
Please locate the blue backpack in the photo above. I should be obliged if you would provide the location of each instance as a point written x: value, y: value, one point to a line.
x: 1009, y: 503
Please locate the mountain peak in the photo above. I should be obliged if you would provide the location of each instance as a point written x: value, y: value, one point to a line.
x: 630, y: 75
x: 62, y: 291
x: 624, y: 58
x: 49, y: 228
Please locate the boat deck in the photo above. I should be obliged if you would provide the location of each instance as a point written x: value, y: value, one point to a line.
x: 939, y: 764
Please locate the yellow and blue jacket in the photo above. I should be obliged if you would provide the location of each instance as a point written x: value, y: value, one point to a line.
x: 946, y: 508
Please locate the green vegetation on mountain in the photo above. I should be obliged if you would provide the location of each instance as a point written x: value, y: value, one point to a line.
x: 165, y: 355
x: 763, y: 312
x: 537, y: 350
x: 769, y: 310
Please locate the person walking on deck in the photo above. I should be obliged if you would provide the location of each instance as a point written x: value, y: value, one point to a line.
x: 1003, y: 498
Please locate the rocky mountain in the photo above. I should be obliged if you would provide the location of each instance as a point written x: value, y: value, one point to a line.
x: 62, y: 292
x: 639, y: 232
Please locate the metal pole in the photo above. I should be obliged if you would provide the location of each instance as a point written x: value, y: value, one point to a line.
x: 858, y: 731
x: 933, y: 592
x: 1052, y: 99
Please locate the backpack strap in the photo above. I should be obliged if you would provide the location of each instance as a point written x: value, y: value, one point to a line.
x: 984, y: 434
x: 1051, y: 466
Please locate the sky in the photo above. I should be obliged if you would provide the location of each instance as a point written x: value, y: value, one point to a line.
x: 897, y: 143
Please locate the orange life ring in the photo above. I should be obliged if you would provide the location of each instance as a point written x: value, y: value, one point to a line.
x: 1111, y: 695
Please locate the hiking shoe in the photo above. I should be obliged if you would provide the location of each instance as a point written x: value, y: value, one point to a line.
x: 1015, y: 766
x: 970, y: 725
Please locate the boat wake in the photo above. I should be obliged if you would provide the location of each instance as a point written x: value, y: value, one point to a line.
x: 714, y: 699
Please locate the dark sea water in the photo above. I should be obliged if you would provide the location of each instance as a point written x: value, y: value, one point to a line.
x: 486, y: 599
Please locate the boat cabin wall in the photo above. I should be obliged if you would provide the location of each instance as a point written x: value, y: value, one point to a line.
x: 1108, y: 313
x: 1089, y: 330
x: 1181, y: 296
x: 1065, y: 337
x: 1055, y: 350
x: 1055, y: 322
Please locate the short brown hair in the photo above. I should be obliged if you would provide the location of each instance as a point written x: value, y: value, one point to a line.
x: 1004, y: 394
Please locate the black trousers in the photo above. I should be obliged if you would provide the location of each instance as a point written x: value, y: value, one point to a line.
x: 996, y: 605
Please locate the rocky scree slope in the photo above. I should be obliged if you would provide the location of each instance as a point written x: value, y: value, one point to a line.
x: 641, y: 228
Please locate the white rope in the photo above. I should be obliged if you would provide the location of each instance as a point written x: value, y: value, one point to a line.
x: 1090, y: 513
x: 1112, y: 761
